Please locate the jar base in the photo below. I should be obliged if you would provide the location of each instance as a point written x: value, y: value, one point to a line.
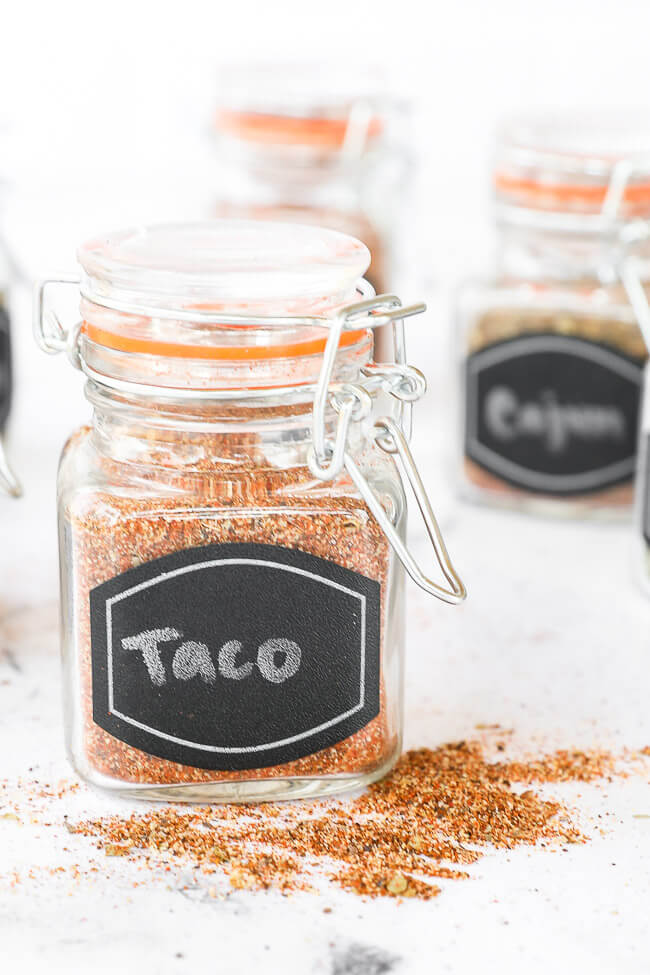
x: 477, y: 487
x: 242, y: 791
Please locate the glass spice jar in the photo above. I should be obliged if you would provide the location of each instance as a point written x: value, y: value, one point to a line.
x: 232, y: 521
x: 294, y: 144
x: 551, y: 351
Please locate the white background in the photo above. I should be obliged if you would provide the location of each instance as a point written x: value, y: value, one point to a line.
x: 107, y: 110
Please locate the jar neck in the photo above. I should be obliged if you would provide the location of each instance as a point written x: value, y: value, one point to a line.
x: 206, y: 436
x: 531, y: 253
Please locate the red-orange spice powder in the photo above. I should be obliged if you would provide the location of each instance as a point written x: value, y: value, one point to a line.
x: 111, y: 531
x: 437, y: 812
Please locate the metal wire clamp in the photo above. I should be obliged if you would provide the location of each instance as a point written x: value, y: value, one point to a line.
x: 391, y: 439
x: 351, y: 402
x: 405, y: 384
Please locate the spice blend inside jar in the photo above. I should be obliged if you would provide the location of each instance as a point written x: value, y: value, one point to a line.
x: 552, y: 355
x: 232, y: 597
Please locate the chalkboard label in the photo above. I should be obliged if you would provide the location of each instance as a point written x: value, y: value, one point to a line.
x: 553, y: 414
x: 235, y: 656
x: 5, y: 367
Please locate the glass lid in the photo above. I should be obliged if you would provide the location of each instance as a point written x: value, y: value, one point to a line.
x: 217, y: 298
x: 566, y: 162
x: 317, y: 107
x: 238, y: 266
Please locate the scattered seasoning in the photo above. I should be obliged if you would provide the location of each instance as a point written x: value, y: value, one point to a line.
x: 438, y: 812
x: 107, y: 534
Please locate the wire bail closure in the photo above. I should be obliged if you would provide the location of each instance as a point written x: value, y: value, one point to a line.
x: 352, y: 402
x: 406, y: 385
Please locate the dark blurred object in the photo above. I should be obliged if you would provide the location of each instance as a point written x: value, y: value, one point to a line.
x: 8, y: 481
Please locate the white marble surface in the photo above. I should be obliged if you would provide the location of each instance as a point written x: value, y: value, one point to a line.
x: 552, y: 642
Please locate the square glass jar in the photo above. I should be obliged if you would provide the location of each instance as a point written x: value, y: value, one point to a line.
x: 232, y: 521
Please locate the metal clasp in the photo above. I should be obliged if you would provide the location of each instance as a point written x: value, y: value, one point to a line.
x: 50, y: 335
x: 391, y: 439
x: 406, y: 384
x: 622, y: 173
x: 371, y: 313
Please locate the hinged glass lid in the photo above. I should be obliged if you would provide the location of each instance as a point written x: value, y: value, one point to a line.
x: 575, y: 164
x: 233, y: 265
x: 248, y: 301
x: 312, y: 111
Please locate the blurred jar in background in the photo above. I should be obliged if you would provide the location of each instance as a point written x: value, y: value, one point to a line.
x: 552, y: 355
x: 307, y: 145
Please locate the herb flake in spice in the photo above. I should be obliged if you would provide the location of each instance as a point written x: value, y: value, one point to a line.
x: 439, y: 811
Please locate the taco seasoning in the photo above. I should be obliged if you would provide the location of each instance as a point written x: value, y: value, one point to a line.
x: 552, y: 355
x: 232, y: 520
x: 293, y: 148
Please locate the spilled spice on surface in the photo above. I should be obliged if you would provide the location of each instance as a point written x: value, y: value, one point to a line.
x: 439, y: 811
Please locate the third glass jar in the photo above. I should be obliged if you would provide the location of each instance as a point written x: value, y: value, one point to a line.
x: 551, y: 353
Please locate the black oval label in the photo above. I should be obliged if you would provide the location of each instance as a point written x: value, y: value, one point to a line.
x: 553, y: 414
x: 235, y: 656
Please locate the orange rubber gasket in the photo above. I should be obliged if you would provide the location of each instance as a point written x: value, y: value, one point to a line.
x: 259, y: 127
x: 124, y: 343
x: 635, y: 193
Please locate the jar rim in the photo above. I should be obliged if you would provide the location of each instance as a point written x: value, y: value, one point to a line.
x: 316, y: 131
x: 229, y: 265
x: 223, y: 303
x: 565, y: 163
x: 313, y: 107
